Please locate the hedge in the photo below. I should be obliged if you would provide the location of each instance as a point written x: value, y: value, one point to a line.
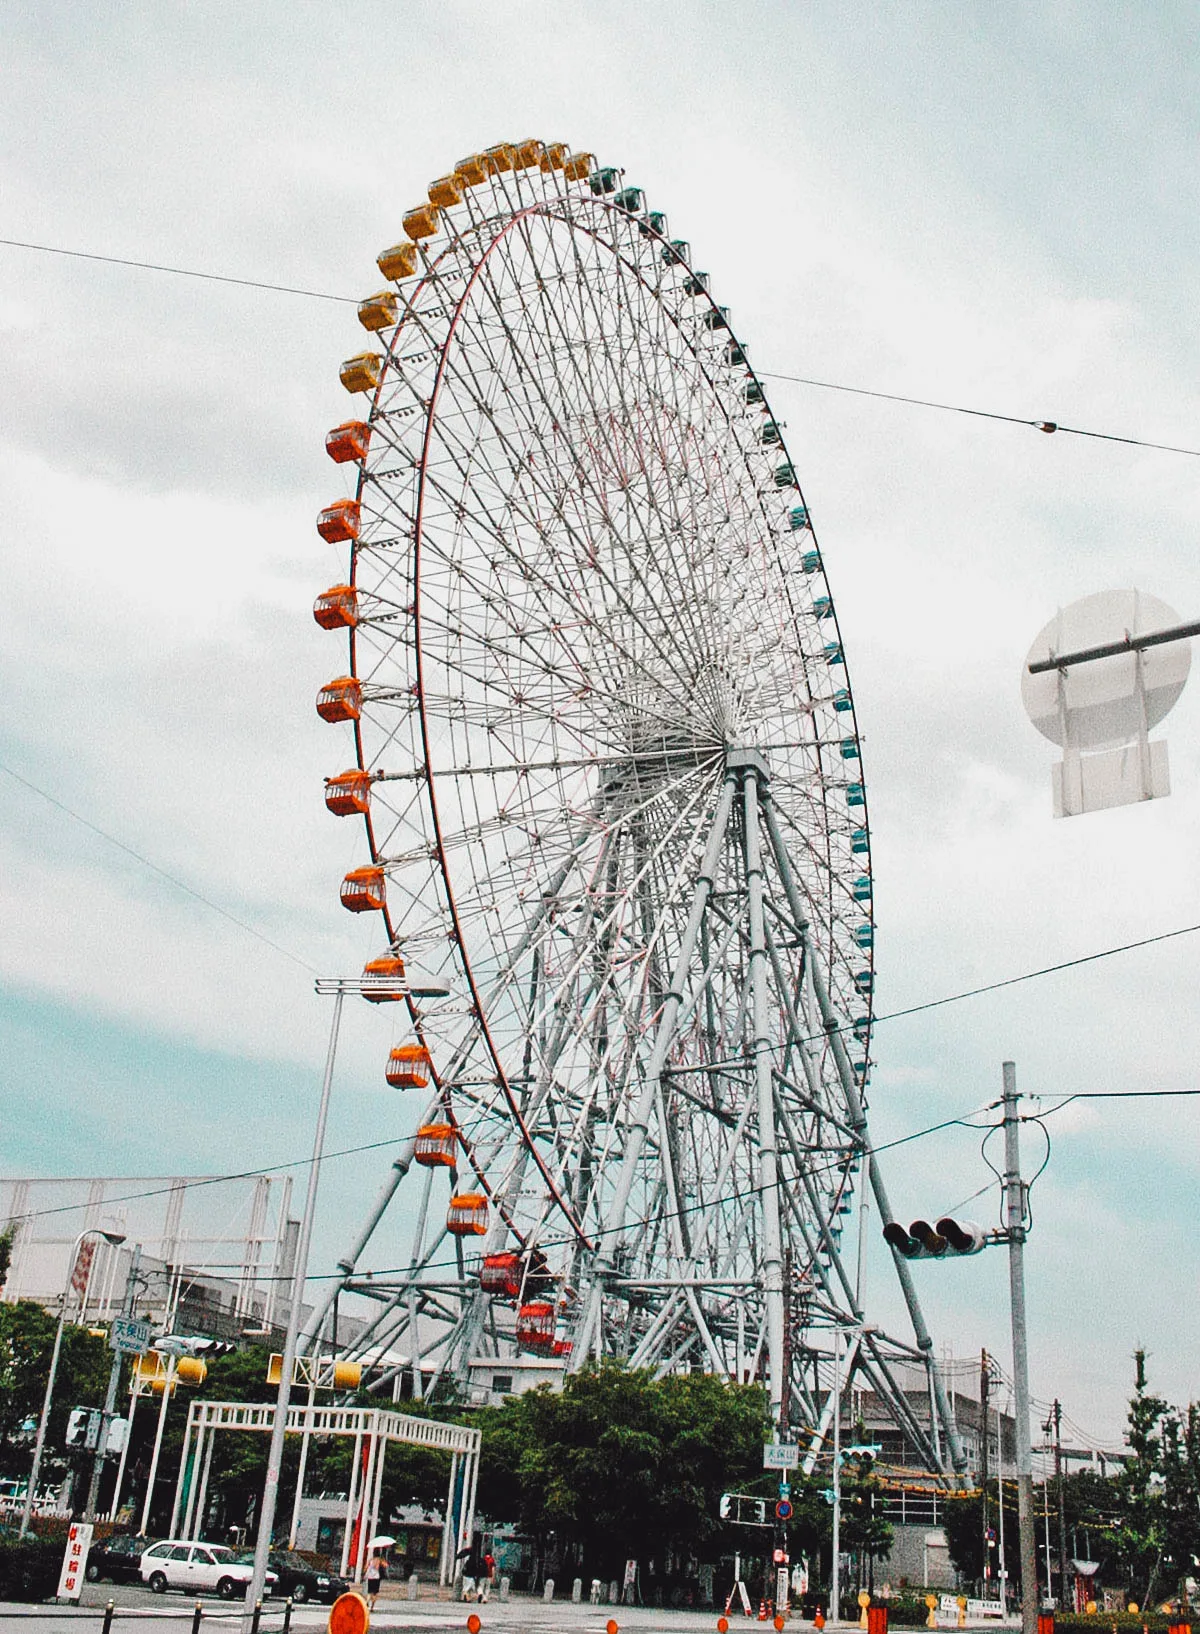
x: 29, y: 1567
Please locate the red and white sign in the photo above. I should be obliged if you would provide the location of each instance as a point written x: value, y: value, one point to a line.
x: 83, y: 1266
x: 74, y: 1566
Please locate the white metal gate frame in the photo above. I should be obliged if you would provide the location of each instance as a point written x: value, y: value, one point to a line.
x: 377, y: 1424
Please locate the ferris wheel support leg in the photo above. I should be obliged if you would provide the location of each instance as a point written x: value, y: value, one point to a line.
x: 833, y: 1029
x: 768, y: 1138
x: 672, y: 1001
x: 347, y: 1265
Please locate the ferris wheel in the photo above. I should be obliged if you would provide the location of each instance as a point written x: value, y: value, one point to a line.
x: 603, y: 744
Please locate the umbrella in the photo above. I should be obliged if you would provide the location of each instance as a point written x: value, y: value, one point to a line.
x: 382, y: 1542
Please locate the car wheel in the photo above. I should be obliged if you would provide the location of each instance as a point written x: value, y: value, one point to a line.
x: 300, y: 1593
x: 227, y: 1588
x: 158, y: 1583
x: 93, y: 1572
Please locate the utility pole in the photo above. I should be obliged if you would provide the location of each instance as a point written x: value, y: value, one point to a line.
x: 984, y: 1386
x: 114, y: 1380
x: 1014, y: 1219
x: 1062, y: 1508
x: 835, y: 1576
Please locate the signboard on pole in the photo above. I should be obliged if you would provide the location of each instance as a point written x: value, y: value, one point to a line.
x: 130, y: 1335
x: 781, y: 1455
x: 74, y: 1566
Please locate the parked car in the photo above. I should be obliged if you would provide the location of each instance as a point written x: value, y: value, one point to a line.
x: 196, y: 1567
x: 301, y: 1580
x: 118, y: 1557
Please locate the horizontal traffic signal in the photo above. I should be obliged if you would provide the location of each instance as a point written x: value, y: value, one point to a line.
x: 922, y: 1241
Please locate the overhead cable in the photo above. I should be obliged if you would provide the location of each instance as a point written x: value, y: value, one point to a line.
x: 766, y: 374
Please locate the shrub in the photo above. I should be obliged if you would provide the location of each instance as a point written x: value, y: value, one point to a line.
x: 29, y: 1567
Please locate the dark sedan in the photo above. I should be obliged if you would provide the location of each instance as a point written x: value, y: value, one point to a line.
x: 300, y: 1580
x: 118, y: 1557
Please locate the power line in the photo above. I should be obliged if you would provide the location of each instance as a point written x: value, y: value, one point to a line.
x: 766, y: 374
x: 979, y: 414
x: 163, y: 873
x: 179, y: 272
x: 1043, y: 970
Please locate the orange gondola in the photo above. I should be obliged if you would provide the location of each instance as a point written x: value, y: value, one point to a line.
x: 383, y: 980
x: 338, y: 523
x: 348, y: 794
x: 501, y: 1274
x: 349, y: 441
x: 364, y: 890
x: 340, y: 699
x: 467, y: 1215
x: 535, y: 1327
x: 409, y: 1066
x: 337, y: 607
x: 437, y: 1146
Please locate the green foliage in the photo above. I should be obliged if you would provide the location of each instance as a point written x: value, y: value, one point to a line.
x: 29, y: 1567
x: 1142, y: 1526
x: 622, y: 1465
x: 26, y: 1345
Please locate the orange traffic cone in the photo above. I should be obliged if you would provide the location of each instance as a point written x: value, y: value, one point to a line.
x: 762, y: 1611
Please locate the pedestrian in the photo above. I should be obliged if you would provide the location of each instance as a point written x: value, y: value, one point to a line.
x: 375, y: 1570
x: 489, y: 1576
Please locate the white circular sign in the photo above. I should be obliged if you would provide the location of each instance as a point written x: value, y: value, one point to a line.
x: 1095, y: 705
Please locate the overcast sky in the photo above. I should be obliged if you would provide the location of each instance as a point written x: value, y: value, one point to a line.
x: 986, y: 204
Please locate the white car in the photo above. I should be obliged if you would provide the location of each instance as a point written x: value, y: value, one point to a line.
x: 197, y: 1567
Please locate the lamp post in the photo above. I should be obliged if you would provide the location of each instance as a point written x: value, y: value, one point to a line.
x: 115, y: 1238
x: 381, y: 986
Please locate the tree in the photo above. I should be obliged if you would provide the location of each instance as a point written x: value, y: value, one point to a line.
x: 26, y: 1345
x: 620, y: 1465
x: 1141, y: 1536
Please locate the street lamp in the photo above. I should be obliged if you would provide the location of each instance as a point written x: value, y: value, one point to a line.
x: 115, y: 1238
x: 383, y: 981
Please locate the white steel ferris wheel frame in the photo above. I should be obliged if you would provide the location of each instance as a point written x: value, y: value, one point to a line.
x: 615, y: 797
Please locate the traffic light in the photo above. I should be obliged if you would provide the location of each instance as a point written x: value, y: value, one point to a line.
x: 726, y: 1505
x: 77, y: 1426
x: 922, y: 1241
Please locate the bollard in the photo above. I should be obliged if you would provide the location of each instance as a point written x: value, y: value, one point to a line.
x: 548, y: 1589
x: 256, y: 1618
x: 197, y: 1617
x: 108, y: 1616
x: 877, y: 1620
x: 1045, y: 1622
x: 577, y: 1592
x: 612, y: 1592
x: 414, y: 1586
x: 505, y: 1585
x: 287, y: 1615
x: 594, y: 1592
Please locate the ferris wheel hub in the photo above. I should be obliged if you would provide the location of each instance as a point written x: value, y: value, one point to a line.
x: 744, y: 759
